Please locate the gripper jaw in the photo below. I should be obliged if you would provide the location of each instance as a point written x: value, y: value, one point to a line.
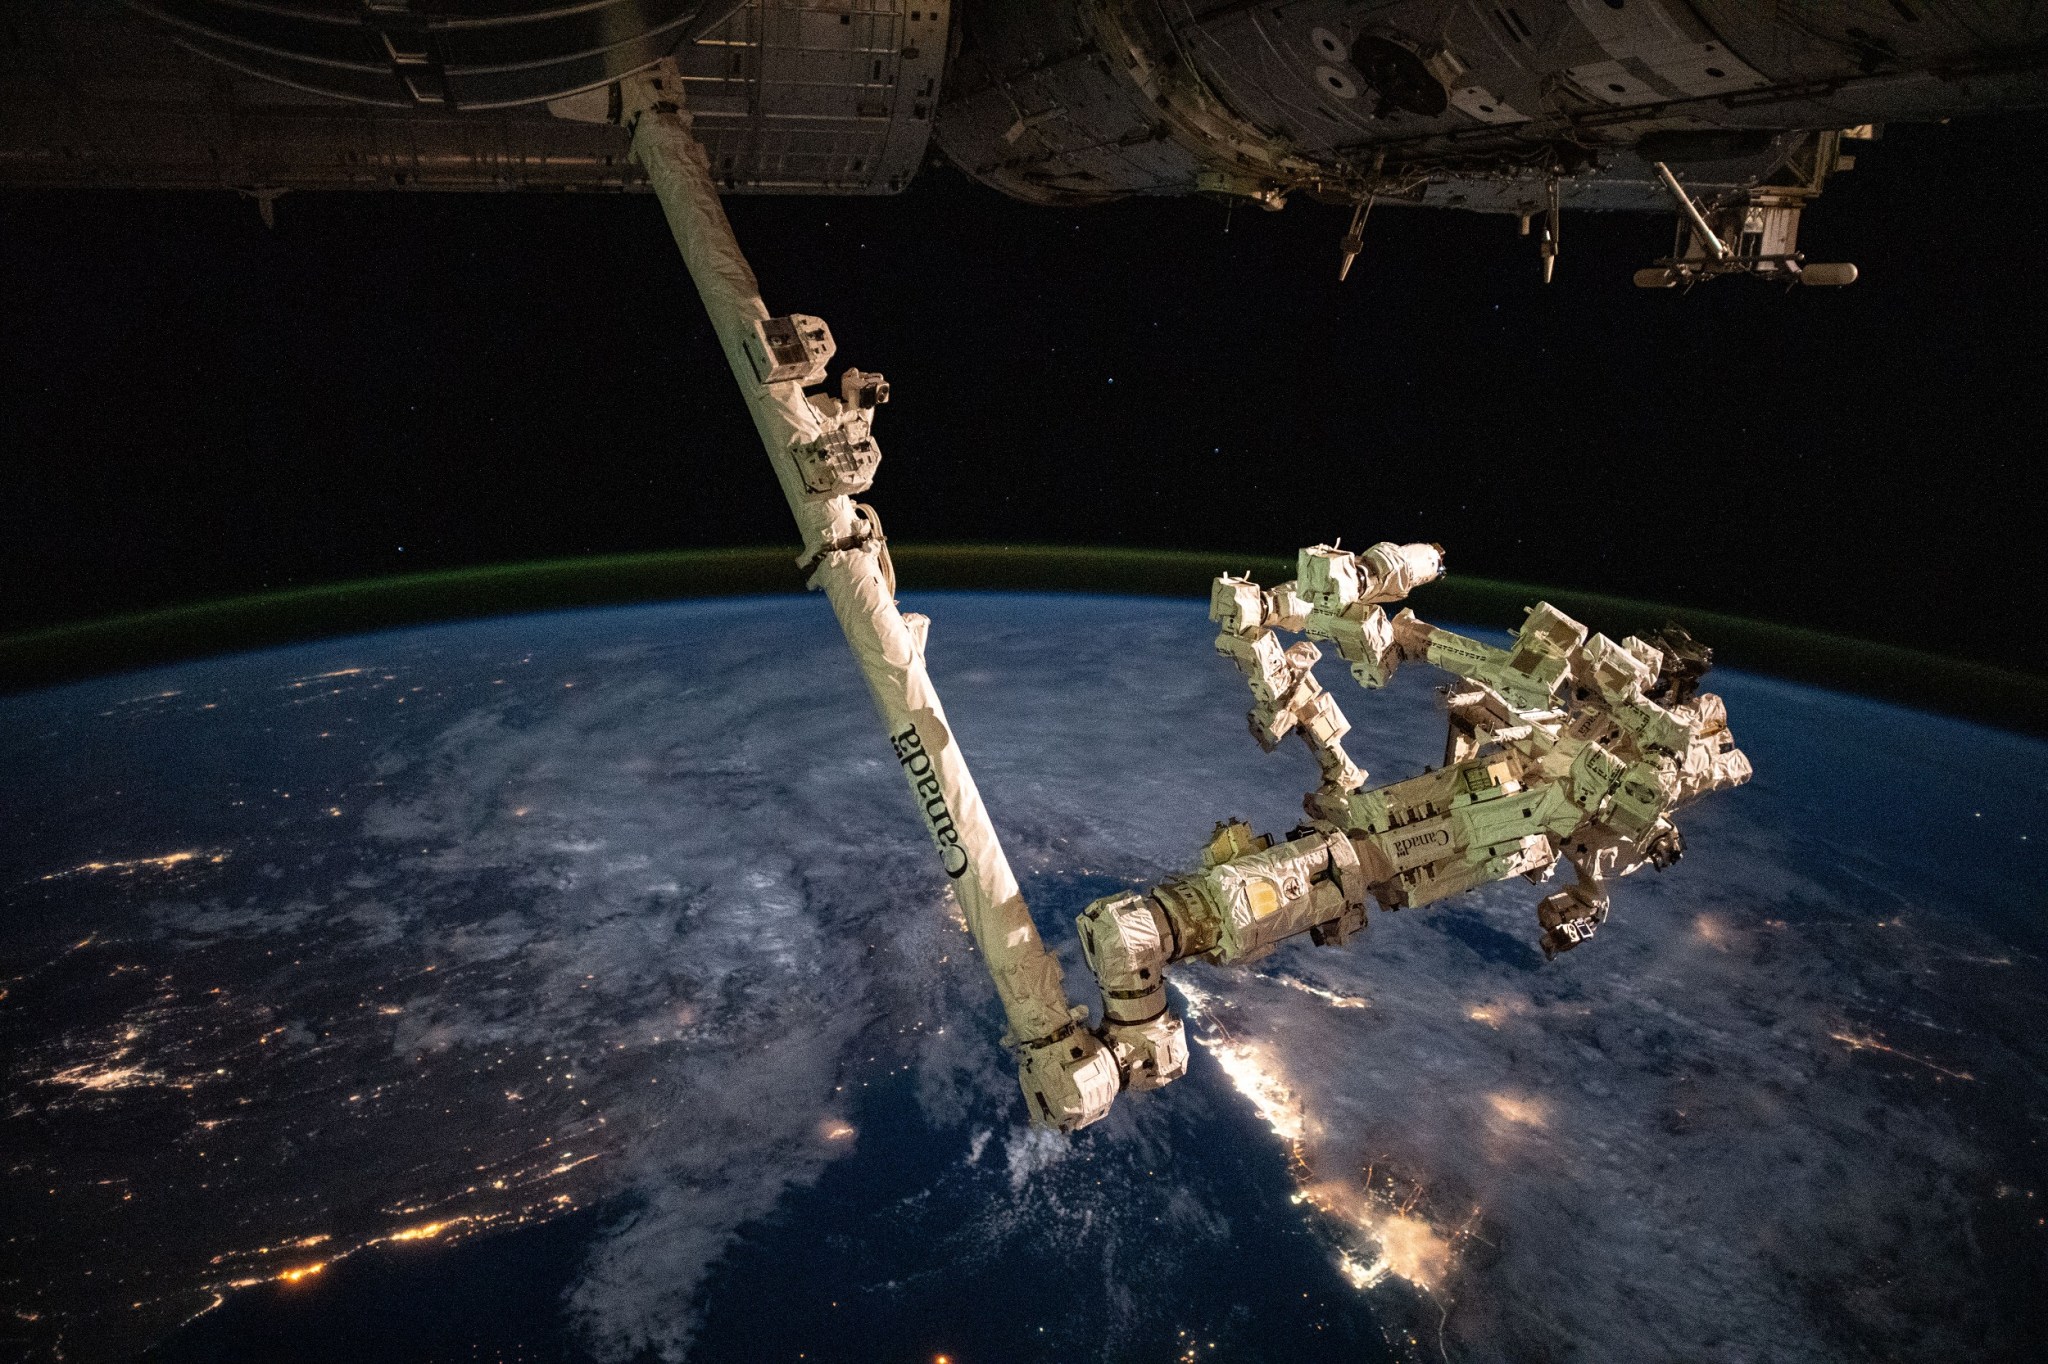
x: 1570, y: 917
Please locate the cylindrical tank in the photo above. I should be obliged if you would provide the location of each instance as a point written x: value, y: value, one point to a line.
x: 1465, y: 103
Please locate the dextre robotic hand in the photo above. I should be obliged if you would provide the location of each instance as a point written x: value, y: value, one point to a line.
x: 1563, y: 747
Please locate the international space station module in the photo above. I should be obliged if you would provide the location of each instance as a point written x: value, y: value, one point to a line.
x: 1734, y: 112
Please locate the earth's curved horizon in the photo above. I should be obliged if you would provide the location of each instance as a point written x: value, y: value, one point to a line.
x: 581, y: 986
x: 77, y: 650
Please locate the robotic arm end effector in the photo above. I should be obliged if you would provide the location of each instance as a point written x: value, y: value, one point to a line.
x: 1336, y: 597
x: 1570, y: 917
x: 1337, y: 582
x: 1069, y: 1079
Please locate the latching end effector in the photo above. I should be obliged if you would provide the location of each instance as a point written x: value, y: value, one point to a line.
x: 1385, y: 573
x: 1069, y: 1079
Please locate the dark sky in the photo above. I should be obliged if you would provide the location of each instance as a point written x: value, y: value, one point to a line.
x: 195, y: 406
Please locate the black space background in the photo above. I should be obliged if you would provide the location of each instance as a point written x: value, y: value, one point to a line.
x: 193, y: 406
